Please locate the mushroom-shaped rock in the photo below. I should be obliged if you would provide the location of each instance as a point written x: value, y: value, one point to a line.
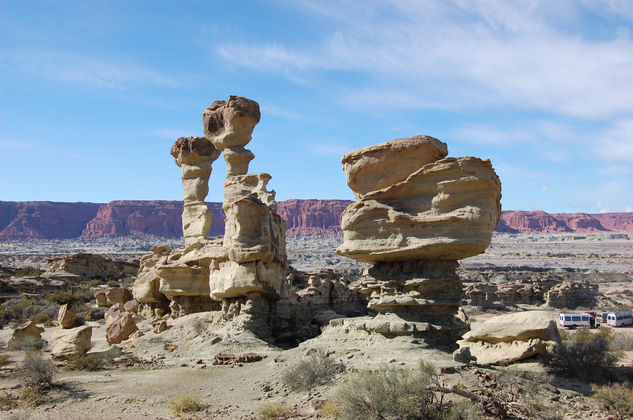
x: 230, y: 123
x: 193, y: 150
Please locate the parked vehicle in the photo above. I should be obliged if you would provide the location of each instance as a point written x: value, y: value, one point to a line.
x: 576, y: 320
x: 620, y: 319
x: 603, y: 316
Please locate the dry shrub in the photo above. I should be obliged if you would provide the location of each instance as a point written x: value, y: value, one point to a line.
x: 617, y: 398
x: 28, y: 343
x: 463, y: 410
x: 329, y: 410
x: 7, y: 401
x: 316, y: 369
x: 389, y: 393
x: 621, y: 342
x: 574, y: 355
x: 37, y: 371
x: 276, y: 411
x: 185, y: 404
x: 85, y: 362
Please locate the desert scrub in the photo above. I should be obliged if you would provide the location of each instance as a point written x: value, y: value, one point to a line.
x: 621, y: 342
x: 317, y: 369
x: 275, y: 411
x: 4, y: 360
x: 85, y: 362
x: 113, y: 283
x: 583, y: 355
x: 185, y: 404
x: 37, y: 371
x: 28, y: 343
x: 617, y: 398
x: 389, y: 394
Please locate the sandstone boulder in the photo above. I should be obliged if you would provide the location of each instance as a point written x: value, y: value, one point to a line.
x: 101, y: 299
x: 571, y: 294
x: 382, y: 165
x: 118, y: 295
x: 131, y: 306
x: 508, y: 338
x: 72, y: 342
x: 444, y: 210
x: 230, y: 123
x: 26, y: 330
x: 120, y: 328
x: 66, y: 316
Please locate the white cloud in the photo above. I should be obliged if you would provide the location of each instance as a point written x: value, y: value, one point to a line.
x: 68, y: 67
x: 171, y: 133
x: 328, y: 149
x: 544, y: 189
x: 467, y: 54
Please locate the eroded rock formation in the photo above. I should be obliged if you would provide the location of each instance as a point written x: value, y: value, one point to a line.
x: 417, y: 213
x: 246, y: 268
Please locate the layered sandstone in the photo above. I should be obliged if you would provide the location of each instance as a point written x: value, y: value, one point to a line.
x: 417, y: 213
x: 245, y: 269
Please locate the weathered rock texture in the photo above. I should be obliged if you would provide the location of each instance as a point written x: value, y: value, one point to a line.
x: 508, y: 338
x: 66, y: 316
x: 73, y: 342
x: 572, y: 294
x: 417, y: 213
x: 244, y: 270
x: 90, y: 266
x: 27, y: 329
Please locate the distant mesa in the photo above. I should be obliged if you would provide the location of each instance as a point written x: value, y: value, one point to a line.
x: 26, y: 220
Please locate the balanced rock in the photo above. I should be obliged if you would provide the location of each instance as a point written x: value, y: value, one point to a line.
x: 66, y: 316
x: 120, y: 328
x: 509, y: 338
x: 73, y: 342
x: 28, y: 329
x: 416, y: 213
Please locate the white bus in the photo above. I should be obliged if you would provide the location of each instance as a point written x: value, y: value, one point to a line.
x: 576, y: 320
x: 619, y: 319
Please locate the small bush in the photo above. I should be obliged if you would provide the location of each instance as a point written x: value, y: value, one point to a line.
x: 31, y: 396
x: 317, y: 369
x: 28, y: 343
x: 389, y: 393
x: 4, y: 360
x: 463, y: 410
x: 85, y: 362
x: 621, y: 342
x: 573, y: 356
x: 185, y: 404
x: 41, y: 318
x: 113, y: 283
x: 617, y: 398
x: 329, y: 410
x: 7, y: 402
x: 275, y: 411
x: 37, y: 371
x: 28, y: 271
x: 111, y: 354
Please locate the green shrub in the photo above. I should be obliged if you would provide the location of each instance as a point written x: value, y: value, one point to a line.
x: 389, y: 394
x: 111, y: 354
x: 85, y: 362
x: 617, y: 398
x: 113, y: 283
x: 584, y: 355
x: 27, y: 271
x: 185, y: 404
x: 41, y: 318
x: 4, y: 360
x: 316, y: 369
x: 276, y: 411
x: 37, y: 371
x: 463, y: 410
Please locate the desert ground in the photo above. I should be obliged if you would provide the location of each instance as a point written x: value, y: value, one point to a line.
x: 154, y: 369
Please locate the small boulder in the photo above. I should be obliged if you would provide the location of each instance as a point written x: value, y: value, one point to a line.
x: 131, y: 306
x: 101, y: 299
x: 159, y: 326
x: 66, y: 316
x: 118, y: 295
x: 120, y: 328
x: 27, y: 329
x: 72, y: 342
x: 112, y: 313
x: 462, y: 355
x: 509, y: 338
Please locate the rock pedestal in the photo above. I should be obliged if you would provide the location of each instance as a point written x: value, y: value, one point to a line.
x: 417, y: 213
x: 246, y: 268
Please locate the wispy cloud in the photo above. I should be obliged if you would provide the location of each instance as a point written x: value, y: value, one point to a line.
x: 73, y: 68
x: 328, y: 149
x: 463, y: 54
x: 171, y: 133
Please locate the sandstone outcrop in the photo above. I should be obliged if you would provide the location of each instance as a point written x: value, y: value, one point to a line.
x: 417, y: 213
x: 28, y: 329
x: 509, y: 338
x: 89, y: 266
x: 245, y: 269
x: 572, y: 294
x: 73, y: 342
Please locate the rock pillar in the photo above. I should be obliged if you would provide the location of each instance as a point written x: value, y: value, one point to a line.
x: 195, y: 155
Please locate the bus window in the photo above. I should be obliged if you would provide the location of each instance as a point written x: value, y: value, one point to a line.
x: 567, y: 318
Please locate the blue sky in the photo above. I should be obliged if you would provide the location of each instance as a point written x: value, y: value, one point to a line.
x: 94, y: 93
